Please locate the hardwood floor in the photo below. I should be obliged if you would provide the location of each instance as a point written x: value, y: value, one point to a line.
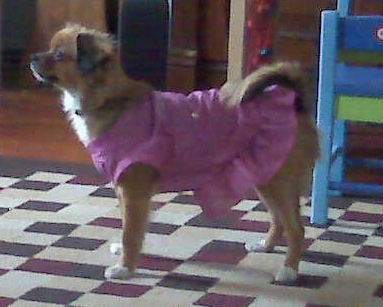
x: 33, y: 126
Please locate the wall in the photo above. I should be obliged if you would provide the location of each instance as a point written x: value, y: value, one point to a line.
x: 17, y: 20
x: 53, y: 15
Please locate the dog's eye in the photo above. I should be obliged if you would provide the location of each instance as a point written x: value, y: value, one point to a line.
x: 59, y: 55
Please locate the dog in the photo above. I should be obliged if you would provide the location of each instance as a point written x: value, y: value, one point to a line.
x: 252, y: 134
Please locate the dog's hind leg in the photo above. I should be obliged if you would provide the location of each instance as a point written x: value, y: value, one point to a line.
x: 283, y: 201
x: 134, y: 192
x: 281, y: 196
x: 274, y: 234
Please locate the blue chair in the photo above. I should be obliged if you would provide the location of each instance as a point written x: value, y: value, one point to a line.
x: 350, y: 90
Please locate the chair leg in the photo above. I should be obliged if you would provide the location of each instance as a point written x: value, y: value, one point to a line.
x: 325, y: 116
x: 321, y: 175
x: 319, y: 200
x: 337, y: 169
x: 322, y: 170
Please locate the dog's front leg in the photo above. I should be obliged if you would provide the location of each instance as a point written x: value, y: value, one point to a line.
x: 134, y: 191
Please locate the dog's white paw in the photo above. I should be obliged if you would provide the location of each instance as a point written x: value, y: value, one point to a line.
x: 286, y: 275
x: 118, y: 272
x: 256, y: 247
x: 115, y: 248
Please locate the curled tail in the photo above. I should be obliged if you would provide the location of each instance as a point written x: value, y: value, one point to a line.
x: 286, y: 74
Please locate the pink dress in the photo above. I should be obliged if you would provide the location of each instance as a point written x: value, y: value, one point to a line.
x: 197, y: 143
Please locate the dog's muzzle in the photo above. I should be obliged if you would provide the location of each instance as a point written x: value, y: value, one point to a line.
x: 36, y: 68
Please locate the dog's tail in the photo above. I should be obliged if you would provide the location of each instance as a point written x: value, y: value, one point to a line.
x: 286, y: 74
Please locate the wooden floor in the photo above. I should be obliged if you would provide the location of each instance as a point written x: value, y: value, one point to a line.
x: 33, y: 126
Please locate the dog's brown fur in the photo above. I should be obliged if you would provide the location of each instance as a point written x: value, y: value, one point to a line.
x: 103, y: 91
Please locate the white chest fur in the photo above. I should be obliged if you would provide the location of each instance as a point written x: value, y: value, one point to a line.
x: 71, y: 104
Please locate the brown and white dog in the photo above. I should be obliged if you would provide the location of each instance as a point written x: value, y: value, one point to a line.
x: 84, y: 65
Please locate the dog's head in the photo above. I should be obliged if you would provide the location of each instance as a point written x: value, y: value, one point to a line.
x: 76, y: 56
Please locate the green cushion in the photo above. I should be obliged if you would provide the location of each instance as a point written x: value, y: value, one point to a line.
x: 360, y: 109
x: 360, y: 57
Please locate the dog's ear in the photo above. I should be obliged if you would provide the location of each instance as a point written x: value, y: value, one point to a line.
x: 89, y: 55
x: 86, y: 53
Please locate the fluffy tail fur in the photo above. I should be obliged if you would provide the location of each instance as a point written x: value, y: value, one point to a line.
x: 286, y: 74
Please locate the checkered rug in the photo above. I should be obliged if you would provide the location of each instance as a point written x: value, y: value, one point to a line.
x: 57, y: 222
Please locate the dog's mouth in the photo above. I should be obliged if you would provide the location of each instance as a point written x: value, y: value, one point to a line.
x: 41, y: 78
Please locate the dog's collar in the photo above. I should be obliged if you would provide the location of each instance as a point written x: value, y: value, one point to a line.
x: 108, y: 105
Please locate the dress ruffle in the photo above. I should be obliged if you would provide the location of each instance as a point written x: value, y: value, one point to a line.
x: 267, y: 127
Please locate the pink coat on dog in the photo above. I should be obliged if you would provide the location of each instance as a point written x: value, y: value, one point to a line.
x: 197, y: 143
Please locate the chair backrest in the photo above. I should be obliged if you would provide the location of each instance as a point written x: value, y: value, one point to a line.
x: 360, y: 55
x: 351, y: 59
x: 144, y: 30
x: 344, y: 7
x: 361, y: 37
